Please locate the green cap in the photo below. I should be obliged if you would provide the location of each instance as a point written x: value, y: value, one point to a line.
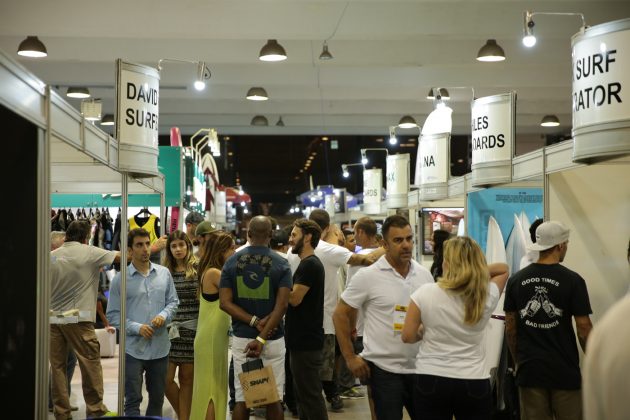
x: 204, y: 228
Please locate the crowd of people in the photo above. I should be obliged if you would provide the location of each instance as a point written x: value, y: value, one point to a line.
x: 323, y: 315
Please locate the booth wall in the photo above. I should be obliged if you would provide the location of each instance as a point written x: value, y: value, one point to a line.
x: 594, y: 202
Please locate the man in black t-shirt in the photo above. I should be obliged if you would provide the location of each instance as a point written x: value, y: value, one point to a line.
x: 304, y: 321
x: 540, y: 301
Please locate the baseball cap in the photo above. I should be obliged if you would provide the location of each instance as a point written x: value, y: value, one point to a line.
x: 279, y: 238
x: 548, y: 235
x: 194, y: 218
x: 204, y: 228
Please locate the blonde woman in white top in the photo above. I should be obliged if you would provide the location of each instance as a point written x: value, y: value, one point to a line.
x: 449, y: 318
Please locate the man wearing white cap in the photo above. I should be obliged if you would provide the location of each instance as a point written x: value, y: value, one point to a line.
x: 540, y: 301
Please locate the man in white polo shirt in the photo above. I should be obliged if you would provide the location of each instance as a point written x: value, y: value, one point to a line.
x: 382, y: 291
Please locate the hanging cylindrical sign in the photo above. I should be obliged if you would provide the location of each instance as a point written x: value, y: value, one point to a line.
x: 397, y: 181
x: 433, y: 166
x: 601, y: 82
x: 137, y: 112
x: 493, y: 127
x: 372, y: 190
x: 329, y: 204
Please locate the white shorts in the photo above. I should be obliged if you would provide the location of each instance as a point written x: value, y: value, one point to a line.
x: 272, y: 355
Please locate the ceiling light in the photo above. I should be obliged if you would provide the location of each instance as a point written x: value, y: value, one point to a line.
x: 257, y: 94
x: 325, y: 55
x: 272, y: 51
x: 550, y: 121
x: 260, y: 120
x: 529, y: 40
x: 344, y: 170
x: 108, y: 119
x: 407, y: 122
x: 280, y: 123
x: 364, y: 159
x: 442, y: 92
x: 78, y: 92
x: 392, y: 135
x: 324, y: 138
x: 32, y: 47
x: 490, y: 52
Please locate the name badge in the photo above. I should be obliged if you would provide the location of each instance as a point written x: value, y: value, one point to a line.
x: 400, y: 311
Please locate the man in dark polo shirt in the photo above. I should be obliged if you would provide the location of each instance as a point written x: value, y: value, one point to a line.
x: 304, y: 321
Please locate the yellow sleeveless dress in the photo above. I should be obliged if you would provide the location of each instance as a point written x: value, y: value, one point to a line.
x: 211, y: 361
x: 149, y: 226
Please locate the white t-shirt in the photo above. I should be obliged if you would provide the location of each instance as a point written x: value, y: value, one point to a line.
x: 449, y: 347
x: 606, y: 366
x: 74, y: 272
x: 332, y: 257
x: 377, y: 290
x: 352, y: 270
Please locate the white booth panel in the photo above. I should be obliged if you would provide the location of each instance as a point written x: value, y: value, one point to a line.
x: 21, y: 92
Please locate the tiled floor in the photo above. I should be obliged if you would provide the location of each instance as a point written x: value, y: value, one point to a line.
x: 354, y: 409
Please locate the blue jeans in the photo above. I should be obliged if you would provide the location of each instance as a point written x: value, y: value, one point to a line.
x: 155, y: 372
x: 440, y: 398
x: 390, y: 393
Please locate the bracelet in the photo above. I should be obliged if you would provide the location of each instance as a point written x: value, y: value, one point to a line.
x: 261, y: 340
x: 252, y: 322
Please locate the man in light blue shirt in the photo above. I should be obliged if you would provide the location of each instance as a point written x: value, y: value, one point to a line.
x: 151, y: 304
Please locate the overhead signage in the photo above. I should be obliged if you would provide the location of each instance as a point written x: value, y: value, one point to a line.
x: 372, y: 190
x: 433, y: 166
x: 601, y: 91
x: 137, y: 115
x: 397, y: 175
x: 492, y: 126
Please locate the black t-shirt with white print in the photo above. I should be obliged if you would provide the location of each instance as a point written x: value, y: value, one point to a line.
x: 545, y: 298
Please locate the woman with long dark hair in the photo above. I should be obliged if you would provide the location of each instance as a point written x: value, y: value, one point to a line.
x: 439, y: 237
x: 211, y: 344
x: 182, y: 264
x: 449, y: 318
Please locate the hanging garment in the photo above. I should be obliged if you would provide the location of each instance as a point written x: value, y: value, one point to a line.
x: 151, y: 225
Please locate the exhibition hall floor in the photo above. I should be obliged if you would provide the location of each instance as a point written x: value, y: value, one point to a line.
x: 353, y: 409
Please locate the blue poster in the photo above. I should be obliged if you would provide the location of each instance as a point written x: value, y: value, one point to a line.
x: 502, y: 204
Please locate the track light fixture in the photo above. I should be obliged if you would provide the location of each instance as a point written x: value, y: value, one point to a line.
x: 441, y: 92
x: 78, y: 92
x: 529, y: 39
x: 491, y: 52
x: 32, y: 47
x: 203, y: 72
x: 257, y: 94
x: 407, y: 121
x: 272, y: 51
x: 392, y: 135
x: 344, y: 168
x: 325, y: 55
x: 550, y: 121
x: 260, y: 121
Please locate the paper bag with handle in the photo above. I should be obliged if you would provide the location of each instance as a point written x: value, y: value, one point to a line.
x: 258, y: 384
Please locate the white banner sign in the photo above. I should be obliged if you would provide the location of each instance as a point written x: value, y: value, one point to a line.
x: 492, y: 128
x: 601, y: 79
x: 432, y: 164
x: 372, y: 186
x: 138, y: 105
x: 397, y: 180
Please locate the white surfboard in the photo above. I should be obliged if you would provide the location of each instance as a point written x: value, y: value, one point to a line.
x: 516, y: 247
x: 461, y: 228
x: 493, y: 340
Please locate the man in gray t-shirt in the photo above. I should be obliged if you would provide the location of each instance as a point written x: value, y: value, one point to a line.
x: 74, y: 270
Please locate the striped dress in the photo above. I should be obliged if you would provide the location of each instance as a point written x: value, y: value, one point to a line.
x: 182, y: 348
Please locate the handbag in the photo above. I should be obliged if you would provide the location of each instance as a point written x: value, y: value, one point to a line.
x: 258, y: 384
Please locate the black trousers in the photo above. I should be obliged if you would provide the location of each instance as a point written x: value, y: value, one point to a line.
x: 305, y: 366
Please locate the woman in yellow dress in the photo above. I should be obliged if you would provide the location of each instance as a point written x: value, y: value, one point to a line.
x: 211, y: 343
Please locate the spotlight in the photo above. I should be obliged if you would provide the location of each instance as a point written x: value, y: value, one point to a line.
x: 203, y: 73
x: 344, y: 169
x: 280, y: 123
x: 529, y: 40
x: 442, y: 93
x: 364, y: 159
x: 392, y: 135
x: 490, y: 52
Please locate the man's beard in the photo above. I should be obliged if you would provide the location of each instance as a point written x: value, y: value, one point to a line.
x: 299, y: 246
